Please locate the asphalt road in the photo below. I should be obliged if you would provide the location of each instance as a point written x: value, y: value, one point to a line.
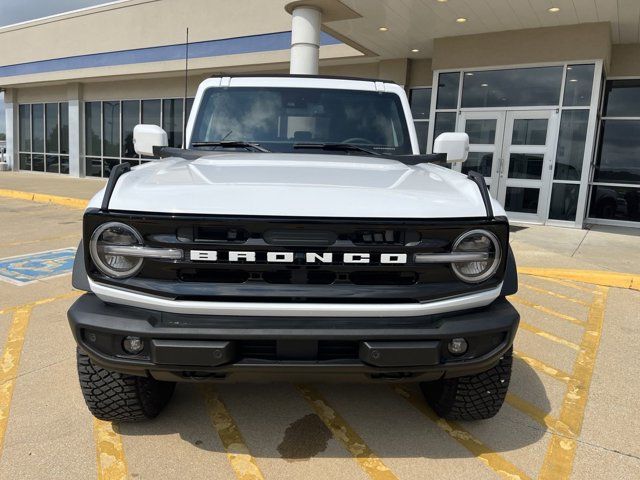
x: 572, y: 410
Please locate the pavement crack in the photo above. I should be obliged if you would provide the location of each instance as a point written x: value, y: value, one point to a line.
x: 24, y: 374
x: 586, y: 232
x: 546, y: 431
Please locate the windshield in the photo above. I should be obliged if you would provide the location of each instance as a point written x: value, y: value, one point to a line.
x: 279, y: 118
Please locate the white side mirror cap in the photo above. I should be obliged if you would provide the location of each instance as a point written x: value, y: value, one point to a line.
x: 145, y: 137
x: 454, y: 144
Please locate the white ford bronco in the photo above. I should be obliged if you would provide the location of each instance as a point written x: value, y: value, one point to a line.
x: 299, y: 234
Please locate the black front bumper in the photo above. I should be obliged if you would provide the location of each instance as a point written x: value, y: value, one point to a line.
x: 199, y: 347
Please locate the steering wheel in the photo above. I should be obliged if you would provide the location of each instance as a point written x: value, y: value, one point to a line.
x: 357, y: 140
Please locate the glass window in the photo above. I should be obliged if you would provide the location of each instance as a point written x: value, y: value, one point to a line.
x: 622, y: 98
x: 422, y: 132
x: 478, y: 162
x: 52, y: 164
x: 278, y: 118
x: 526, y: 165
x: 445, y: 122
x: 130, y: 118
x: 64, y: 164
x: 564, y: 201
x: 24, y: 119
x: 109, y: 164
x: 571, y: 144
x: 151, y: 112
x: 25, y: 161
x: 578, y: 85
x: 189, y: 107
x: 481, y: 132
x: 616, y: 203
x: 172, y: 120
x: 111, y: 129
x: 93, y: 167
x: 529, y: 131
x: 618, y: 160
x: 524, y: 200
x: 64, y: 129
x: 448, y: 84
x: 92, y: 128
x: 38, y: 162
x: 51, y: 122
x: 37, y: 130
x: 420, y: 101
x: 510, y: 88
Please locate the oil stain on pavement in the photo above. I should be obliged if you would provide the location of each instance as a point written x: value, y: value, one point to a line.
x: 304, y: 438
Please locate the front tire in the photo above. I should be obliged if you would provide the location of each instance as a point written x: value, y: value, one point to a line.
x: 474, y: 397
x: 116, y: 397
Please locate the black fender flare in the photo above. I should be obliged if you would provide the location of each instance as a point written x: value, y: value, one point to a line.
x: 510, y: 282
x: 79, y: 278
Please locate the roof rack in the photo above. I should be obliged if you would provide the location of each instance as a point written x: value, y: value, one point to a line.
x: 295, y: 75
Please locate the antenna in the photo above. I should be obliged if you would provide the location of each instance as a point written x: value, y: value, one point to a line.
x: 184, y: 99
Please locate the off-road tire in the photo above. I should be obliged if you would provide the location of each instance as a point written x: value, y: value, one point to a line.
x: 474, y: 397
x: 117, y: 397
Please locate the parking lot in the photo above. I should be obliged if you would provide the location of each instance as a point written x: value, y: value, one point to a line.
x: 571, y: 411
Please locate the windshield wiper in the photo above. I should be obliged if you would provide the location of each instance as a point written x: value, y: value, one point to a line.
x: 232, y: 144
x: 336, y: 146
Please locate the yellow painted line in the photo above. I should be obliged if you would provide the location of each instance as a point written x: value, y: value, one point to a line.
x: 569, y: 284
x: 342, y: 431
x: 110, y: 457
x: 242, y: 462
x: 543, y: 309
x: 548, y: 336
x: 596, y: 277
x: 43, y: 301
x: 9, y: 364
x: 558, y: 462
x: 491, y: 459
x: 44, y: 198
x: 553, y: 294
x: 10, y: 360
x: 543, y: 367
x: 40, y: 240
x: 529, y: 409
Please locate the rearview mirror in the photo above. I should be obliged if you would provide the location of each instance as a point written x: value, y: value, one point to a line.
x: 145, y: 137
x: 454, y: 144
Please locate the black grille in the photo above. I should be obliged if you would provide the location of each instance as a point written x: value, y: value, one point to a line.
x: 297, y: 280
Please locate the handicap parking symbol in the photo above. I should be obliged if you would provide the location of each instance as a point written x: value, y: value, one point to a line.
x: 26, y: 269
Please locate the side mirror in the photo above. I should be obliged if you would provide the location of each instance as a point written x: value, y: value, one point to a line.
x: 145, y: 137
x: 454, y: 144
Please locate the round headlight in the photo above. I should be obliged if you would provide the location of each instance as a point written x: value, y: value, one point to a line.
x: 114, y: 234
x: 480, y: 242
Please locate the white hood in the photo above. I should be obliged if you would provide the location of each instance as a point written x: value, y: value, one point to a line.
x: 299, y: 185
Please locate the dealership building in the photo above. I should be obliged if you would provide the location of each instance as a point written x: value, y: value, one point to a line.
x: 548, y: 91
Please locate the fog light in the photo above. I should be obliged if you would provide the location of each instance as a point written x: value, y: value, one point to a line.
x: 133, y: 345
x: 458, y: 346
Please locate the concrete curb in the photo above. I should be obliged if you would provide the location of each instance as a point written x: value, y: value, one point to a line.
x: 597, y: 277
x: 45, y: 198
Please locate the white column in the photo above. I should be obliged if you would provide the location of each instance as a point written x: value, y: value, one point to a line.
x: 76, y: 136
x: 305, y: 40
x: 11, y: 120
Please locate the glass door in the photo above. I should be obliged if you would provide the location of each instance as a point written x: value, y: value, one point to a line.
x: 485, y: 130
x: 527, y: 156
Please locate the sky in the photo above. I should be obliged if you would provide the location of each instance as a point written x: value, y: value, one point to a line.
x: 15, y: 11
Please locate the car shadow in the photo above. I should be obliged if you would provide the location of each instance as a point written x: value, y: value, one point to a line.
x: 276, y: 421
